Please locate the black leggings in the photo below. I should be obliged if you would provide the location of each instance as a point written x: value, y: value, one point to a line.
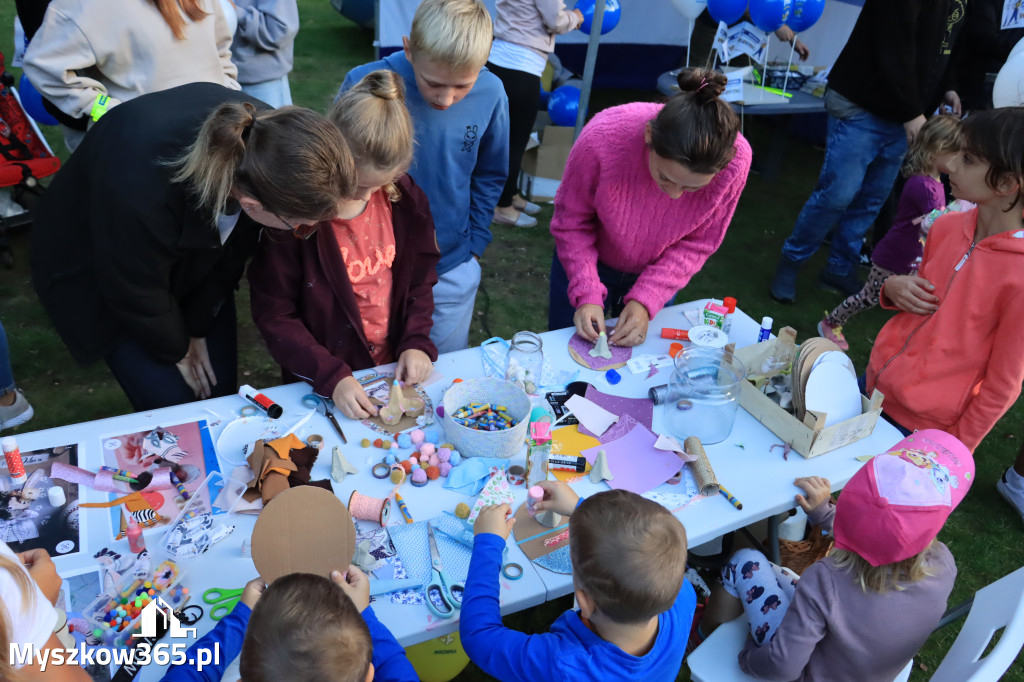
x: 523, y: 90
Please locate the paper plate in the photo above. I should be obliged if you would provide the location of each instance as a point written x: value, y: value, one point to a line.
x: 303, y: 530
x: 833, y: 390
x: 838, y: 357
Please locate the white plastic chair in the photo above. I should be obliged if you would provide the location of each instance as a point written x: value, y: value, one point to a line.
x: 999, y: 605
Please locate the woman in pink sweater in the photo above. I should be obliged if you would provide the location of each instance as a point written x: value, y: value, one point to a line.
x: 648, y: 192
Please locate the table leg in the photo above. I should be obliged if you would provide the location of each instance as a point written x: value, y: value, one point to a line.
x: 773, y: 540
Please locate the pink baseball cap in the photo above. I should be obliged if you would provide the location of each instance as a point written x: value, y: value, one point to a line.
x: 897, y: 503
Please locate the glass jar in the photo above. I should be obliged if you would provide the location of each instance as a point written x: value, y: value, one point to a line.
x: 703, y: 394
x: 525, y: 361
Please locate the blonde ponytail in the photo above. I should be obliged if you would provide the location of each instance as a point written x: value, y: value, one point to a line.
x: 28, y: 595
x: 374, y: 120
x: 292, y: 160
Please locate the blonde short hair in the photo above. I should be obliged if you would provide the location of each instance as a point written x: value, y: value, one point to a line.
x: 453, y: 33
x: 887, y: 577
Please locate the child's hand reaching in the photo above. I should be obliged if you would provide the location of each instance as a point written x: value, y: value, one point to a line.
x: 351, y: 399
x: 355, y: 584
x: 558, y: 497
x: 41, y: 569
x: 912, y: 294
x: 494, y: 519
x: 816, y: 488
x: 252, y: 592
x: 414, y: 366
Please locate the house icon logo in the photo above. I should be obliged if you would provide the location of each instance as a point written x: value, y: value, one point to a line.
x: 156, y: 609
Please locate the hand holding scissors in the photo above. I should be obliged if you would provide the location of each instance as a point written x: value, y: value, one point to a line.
x: 221, y: 600
x: 320, y: 405
x: 443, y: 593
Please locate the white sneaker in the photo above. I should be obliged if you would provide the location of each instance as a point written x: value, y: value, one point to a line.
x: 17, y: 413
x: 1011, y: 494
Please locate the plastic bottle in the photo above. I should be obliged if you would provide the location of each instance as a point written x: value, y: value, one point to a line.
x: 136, y: 543
x: 730, y: 304
x: 766, y: 329
x: 12, y: 455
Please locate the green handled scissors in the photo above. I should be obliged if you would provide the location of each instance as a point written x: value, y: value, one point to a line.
x: 222, y: 601
x: 443, y: 594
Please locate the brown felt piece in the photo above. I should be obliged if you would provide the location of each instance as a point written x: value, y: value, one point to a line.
x: 527, y: 527
x: 303, y: 530
x: 407, y: 421
x: 611, y: 365
x: 273, y: 485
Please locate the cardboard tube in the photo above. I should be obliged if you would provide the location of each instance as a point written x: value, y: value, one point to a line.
x: 702, y: 471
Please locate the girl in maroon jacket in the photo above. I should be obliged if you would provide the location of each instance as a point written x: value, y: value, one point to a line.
x: 358, y: 294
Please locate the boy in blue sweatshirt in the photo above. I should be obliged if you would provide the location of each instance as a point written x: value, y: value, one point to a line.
x: 460, y: 113
x: 628, y: 557
x: 302, y: 628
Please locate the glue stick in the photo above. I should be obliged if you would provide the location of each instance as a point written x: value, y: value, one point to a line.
x: 766, y: 329
x: 12, y: 454
x: 261, y: 401
x: 533, y: 496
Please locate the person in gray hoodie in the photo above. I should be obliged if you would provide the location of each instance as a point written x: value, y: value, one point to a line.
x: 263, y: 49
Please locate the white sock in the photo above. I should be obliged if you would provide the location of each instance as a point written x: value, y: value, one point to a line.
x: 1014, y: 480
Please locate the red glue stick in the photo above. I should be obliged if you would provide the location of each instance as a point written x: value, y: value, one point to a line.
x: 669, y: 333
x: 261, y: 401
x: 12, y: 454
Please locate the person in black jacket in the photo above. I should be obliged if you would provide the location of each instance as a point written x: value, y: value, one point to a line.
x: 141, y: 238
x: 892, y: 72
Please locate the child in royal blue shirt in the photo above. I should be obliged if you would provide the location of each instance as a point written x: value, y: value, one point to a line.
x: 303, y: 627
x: 628, y: 557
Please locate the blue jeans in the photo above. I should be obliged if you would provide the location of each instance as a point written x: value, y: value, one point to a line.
x: 277, y: 93
x: 6, y: 374
x: 863, y: 154
x: 454, y: 300
x: 560, y: 310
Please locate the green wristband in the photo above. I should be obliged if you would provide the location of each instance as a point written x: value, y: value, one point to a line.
x: 100, y: 107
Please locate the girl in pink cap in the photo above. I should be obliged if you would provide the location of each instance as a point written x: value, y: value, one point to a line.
x: 865, y: 609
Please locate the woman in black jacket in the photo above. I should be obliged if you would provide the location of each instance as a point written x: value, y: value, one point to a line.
x: 142, y: 237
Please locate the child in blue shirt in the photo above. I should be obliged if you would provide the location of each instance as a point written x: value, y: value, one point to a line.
x: 303, y: 627
x: 628, y: 556
x: 460, y: 113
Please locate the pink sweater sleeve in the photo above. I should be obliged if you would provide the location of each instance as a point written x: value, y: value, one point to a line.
x: 575, y: 223
x: 672, y: 270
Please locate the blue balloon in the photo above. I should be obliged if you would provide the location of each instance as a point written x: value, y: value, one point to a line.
x: 769, y: 15
x: 564, y: 105
x: 32, y: 103
x: 612, y: 14
x: 804, y: 14
x: 728, y: 11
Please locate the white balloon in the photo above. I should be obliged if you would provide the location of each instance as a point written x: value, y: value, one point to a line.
x: 1008, y: 90
x: 690, y: 9
x: 1019, y: 47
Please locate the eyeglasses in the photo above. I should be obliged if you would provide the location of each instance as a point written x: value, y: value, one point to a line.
x: 302, y: 231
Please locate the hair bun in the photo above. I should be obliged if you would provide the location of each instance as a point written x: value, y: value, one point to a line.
x: 384, y: 84
x: 704, y: 83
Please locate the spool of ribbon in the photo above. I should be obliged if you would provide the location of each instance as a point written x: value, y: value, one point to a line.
x: 369, y: 508
x: 315, y: 440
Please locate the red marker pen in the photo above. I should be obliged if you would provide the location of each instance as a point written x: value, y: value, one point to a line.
x: 261, y: 401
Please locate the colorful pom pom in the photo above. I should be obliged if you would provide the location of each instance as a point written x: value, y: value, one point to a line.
x: 444, y: 454
x: 417, y: 436
x: 462, y: 510
x: 433, y: 472
x: 432, y: 435
x: 445, y: 468
x: 404, y: 441
x: 456, y: 458
x: 427, y: 449
x: 407, y: 465
x: 378, y: 443
x: 365, y: 442
x: 419, y: 476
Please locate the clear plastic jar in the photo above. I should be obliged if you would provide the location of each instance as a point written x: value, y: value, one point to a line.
x: 703, y: 394
x: 525, y: 361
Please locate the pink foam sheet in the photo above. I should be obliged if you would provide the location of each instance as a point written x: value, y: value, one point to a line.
x: 635, y: 463
x: 641, y: 409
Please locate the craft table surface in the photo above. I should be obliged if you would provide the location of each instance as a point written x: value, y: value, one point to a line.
x: 760, y: 479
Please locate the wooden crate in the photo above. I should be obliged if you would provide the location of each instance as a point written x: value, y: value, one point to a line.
x: 811, y: 437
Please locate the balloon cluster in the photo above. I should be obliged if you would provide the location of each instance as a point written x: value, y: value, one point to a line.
x: 767, y: 15
x: 612, y: 14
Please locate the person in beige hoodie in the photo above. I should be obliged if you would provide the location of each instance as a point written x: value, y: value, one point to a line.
x: 90, y: 55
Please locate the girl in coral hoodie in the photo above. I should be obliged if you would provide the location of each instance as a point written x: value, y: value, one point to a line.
x: 951, y: 358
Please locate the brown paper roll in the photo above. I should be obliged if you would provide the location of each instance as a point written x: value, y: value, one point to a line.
x: 702, y: 471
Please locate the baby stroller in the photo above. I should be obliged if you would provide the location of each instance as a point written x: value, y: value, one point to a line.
x: 25, y: 158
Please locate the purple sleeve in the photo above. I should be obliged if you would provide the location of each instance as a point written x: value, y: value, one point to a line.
x: 823, y: 515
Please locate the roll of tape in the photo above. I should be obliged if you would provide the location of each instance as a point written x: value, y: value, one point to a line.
x: 248, y: 411
x: 516, y: 475
x: 512, y: 571
x: 315, y: 440
x: 381, y: 470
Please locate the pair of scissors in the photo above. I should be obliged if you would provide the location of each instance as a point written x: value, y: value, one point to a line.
x: 443, y: 594
x: 320, y: 405
x: 222, y: 601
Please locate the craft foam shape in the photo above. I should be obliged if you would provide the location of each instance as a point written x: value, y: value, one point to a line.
x: 303, y: 530
x: 340, y: 466
x: 549, y: 518
x: 362, y: 557
x: 594, y: 417
x: 601, y: 349
x: 601, y: 471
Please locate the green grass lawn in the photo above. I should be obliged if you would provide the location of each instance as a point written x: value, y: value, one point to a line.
x: 985, y: 535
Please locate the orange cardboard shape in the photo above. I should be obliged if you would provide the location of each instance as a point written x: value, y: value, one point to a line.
x: 539, y: 545
x: 303, y: 530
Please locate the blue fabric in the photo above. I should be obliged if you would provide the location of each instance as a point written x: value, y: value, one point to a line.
x: 470, y: 477
x: 228, y: 634
x: 863, y: 154
x: 6, y: 374
x: 390, y: 663
x: 461, y: 153
x: 569, y: 650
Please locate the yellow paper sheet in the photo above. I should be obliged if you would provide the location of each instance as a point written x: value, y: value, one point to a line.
x: 569, y: 442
